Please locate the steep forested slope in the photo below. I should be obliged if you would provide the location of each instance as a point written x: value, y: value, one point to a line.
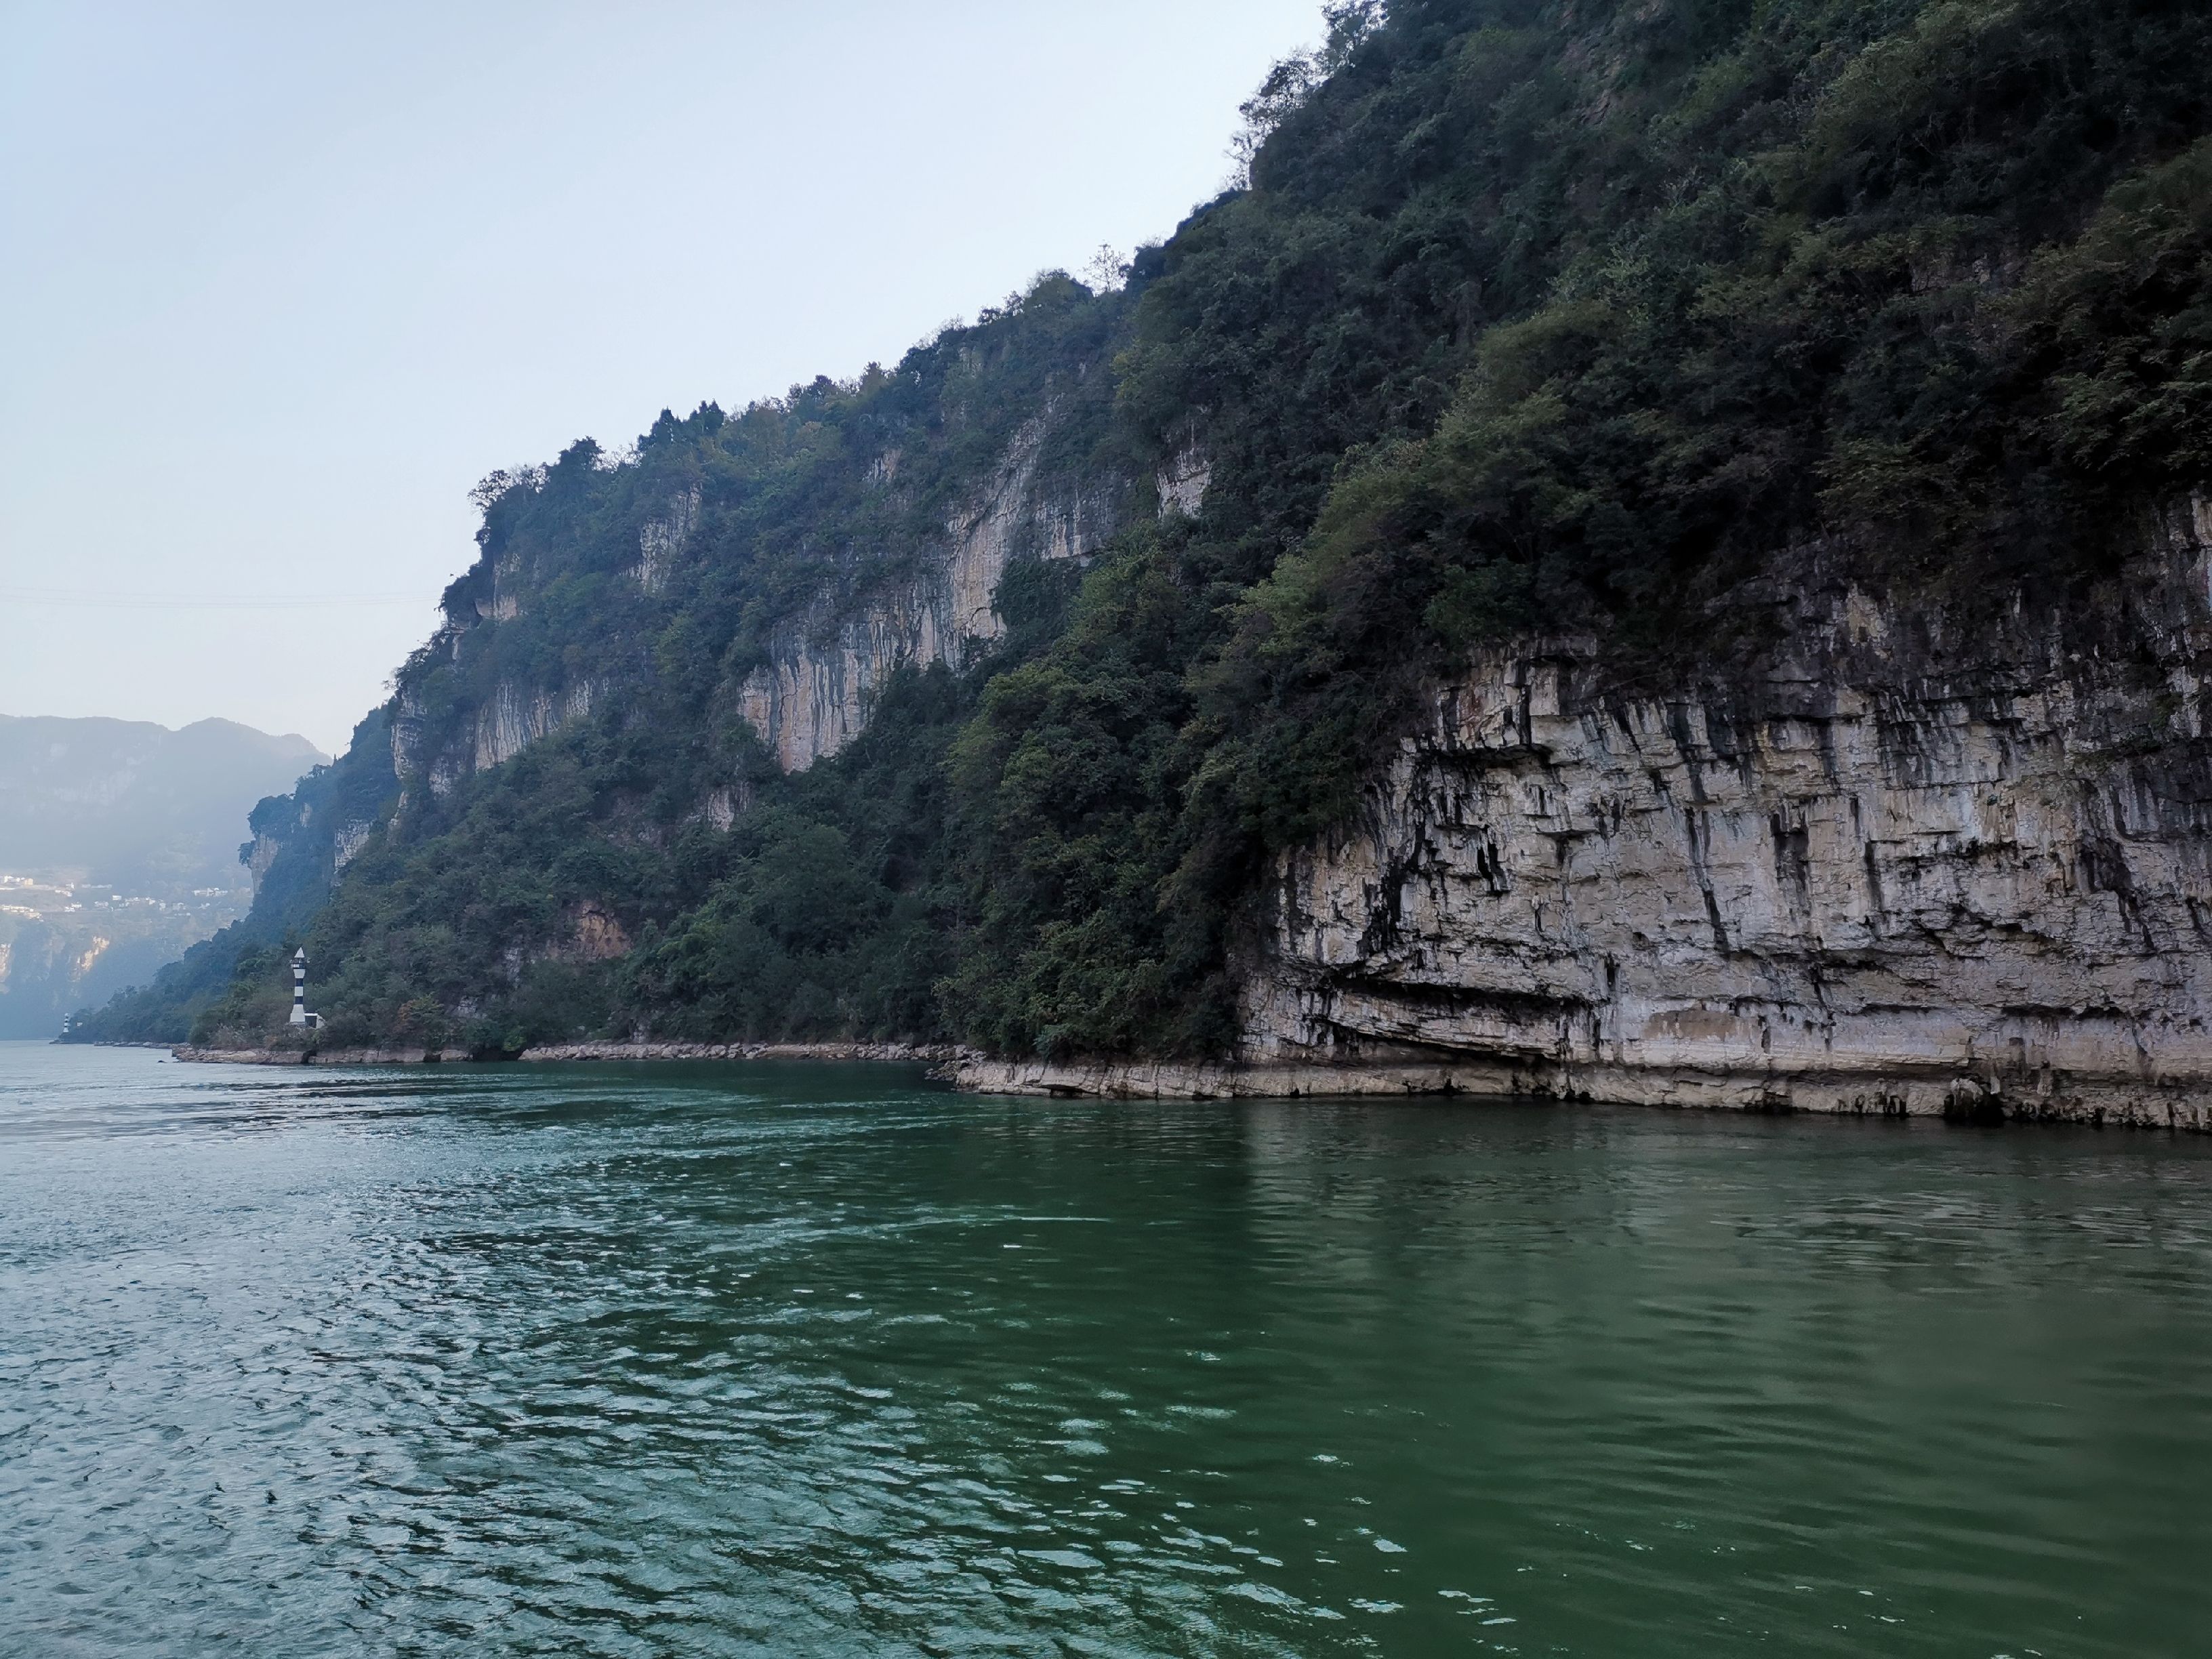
x: 975, y: 698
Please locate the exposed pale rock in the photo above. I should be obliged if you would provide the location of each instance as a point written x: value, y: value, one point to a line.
x: 348, y: 840
x: 1890, y: 865
x: 1892, y: 869
x: 1183, y: 481
x: 595, y: 934
x: 507, y: 579
x: 723, y: 806
x: 662, y: 540
x: 261, y: 856
x: 813, y: 697
x: 513, y: 719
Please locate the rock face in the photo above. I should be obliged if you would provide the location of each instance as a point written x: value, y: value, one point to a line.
x: 262, y: 852
x: 1182, y: 480
x: 513, y: 719
x: 346, y: 841
x: 1890, y: 868
x: 813, y: 695
x: 662, y: 541
x: 1894, y: 869
x: 811, y: 698
x: 508, y: 721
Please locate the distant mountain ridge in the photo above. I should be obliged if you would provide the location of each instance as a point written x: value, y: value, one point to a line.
x: 118, y: 848
x: 132, y: 803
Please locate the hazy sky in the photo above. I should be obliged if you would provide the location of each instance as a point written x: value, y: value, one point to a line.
x: 279, y: 282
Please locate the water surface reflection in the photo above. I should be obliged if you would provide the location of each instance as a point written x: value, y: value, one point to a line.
x: 761, y: 1359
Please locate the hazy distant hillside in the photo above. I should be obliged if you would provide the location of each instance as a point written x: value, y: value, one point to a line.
x: 118, y: 848
x: 132, y: 803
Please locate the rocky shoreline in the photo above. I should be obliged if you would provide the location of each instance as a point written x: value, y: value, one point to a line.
x: 1932, y: 1092
x: 2183, y: 1104
x: 302, y: 1056
x: 934, y: 1055
x: 926, y: 1053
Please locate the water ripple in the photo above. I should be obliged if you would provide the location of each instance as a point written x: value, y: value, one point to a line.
x: 760, y: 1360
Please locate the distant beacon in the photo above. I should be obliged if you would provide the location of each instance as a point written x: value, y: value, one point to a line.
x: 299, y: 1014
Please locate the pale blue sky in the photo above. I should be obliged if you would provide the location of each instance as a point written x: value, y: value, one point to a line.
x: 278, y: 282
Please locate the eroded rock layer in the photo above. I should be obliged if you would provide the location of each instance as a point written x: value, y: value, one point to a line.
x: 1894, y: 866
x: 813, y: 697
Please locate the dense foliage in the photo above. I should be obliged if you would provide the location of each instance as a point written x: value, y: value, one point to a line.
x: 1532, y: 315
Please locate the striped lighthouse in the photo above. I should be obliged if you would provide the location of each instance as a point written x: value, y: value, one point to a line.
x: 300, y: 988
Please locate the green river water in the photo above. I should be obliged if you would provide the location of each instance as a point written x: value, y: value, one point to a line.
x: 723, y: 1360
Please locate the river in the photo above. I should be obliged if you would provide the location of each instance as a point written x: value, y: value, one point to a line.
x: 723, y: 1360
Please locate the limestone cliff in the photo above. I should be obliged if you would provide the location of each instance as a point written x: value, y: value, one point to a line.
x: 507, y: 721
x: 826, y: 662
x: 1893, y: 866
x: 812, y: 697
